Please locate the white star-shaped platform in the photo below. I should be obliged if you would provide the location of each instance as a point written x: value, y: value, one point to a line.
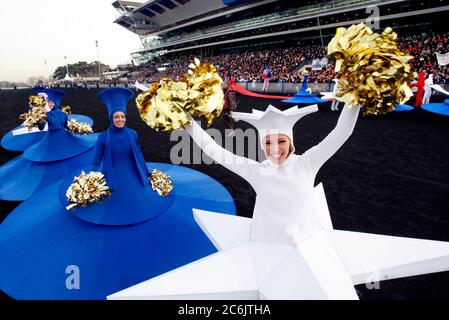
x: 326, y: 265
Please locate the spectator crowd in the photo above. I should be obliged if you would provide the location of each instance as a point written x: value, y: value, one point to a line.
x: 286, y: 64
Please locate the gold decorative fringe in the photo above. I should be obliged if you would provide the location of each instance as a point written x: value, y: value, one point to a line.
x: 374, y: 72
x: 160, y: 183
x: 87, y: 188
x: 169, y: 103
x: 79, y: 127
x: 66, y: 109
x: 36, y: 115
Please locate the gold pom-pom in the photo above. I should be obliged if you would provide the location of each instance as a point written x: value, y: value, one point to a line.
x: 160, y: 183
x: 36, y: 101
x: 87, y: 188
x: 168, y: 104
x: 66, y: 109
x: 374, y: 72
x: 205, y: 90
x: 163, y: 107
x: 35, y: 116
x: 79, y: 127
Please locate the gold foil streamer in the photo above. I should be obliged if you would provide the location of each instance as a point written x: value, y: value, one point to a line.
x: 205, y: 85
x: 87, y: 188
x: 66, y: 109
x: 36, y: 101
x: 160, y: 183
x: 374, y: 72
x: 163, y: 107
x: 79, y: 127
x: 169, y: 103
x: 35, y: 116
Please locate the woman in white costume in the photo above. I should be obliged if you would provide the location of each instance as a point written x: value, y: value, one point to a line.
x: 428, y: 89
x: 335, y: 102
x: 284, y: 183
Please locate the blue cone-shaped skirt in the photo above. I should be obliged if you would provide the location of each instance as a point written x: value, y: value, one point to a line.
x: 302, y: 96
x: 21, y: 142
x: 439, y: 108
x: 403, y: 107
x: 59, y: 145
x: 46, y: 251
x: 57, y: 154
x: 21, y: 178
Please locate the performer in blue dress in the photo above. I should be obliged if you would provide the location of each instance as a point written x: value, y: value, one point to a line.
x: 132, y: 235
x: 119, y: 158
x: 20, y: 138
x: 50, y: 159
x: 56, y: 96
x: 303, y: 96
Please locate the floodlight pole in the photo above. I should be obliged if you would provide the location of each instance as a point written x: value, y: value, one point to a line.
x: 47, y: 72
x: 98, y: 60
x: 66, y: 66
x: 321, y: 34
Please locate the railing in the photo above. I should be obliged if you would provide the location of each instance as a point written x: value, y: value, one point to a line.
x: 316, y: 88
x: 287, y: 87
x: 274, y: 87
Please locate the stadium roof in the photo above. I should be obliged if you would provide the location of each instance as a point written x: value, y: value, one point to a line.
x: 329, y: 18
x: 126, y: 5
x: 162, y: 15
x: 167, y: 12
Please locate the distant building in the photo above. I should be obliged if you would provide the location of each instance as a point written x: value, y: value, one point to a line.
x: 113, y: 75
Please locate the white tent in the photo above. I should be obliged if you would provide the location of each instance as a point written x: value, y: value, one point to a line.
x: 67, y: 78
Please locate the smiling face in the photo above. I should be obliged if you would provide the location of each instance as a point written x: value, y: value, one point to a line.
x: 119, y: 119
x: 277, y: 147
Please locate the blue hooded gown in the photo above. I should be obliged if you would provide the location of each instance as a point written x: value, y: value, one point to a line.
x: 20, y: 142
x: 50, y: 159
x: 131, y: 236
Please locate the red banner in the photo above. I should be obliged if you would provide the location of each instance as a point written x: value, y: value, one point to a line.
x: 239, y: 89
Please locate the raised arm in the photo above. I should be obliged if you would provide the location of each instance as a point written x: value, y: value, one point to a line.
x: 244, y: 167
x: 320, y: 153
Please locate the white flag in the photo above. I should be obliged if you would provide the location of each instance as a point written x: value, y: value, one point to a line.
x: 443, y: 59
x: 316, y: 65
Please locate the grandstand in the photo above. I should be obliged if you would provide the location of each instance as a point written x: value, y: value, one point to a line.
x: 286, y: 35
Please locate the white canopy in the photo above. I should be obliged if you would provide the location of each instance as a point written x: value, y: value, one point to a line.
x: 67, y: 77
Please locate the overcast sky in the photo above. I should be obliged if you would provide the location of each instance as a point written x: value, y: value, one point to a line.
x: 35, y: 31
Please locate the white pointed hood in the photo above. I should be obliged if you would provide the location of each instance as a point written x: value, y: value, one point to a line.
x: 275, y: 121
x: 44, y: 96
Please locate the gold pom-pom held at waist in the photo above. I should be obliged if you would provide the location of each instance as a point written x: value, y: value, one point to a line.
x: 86, y: 189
